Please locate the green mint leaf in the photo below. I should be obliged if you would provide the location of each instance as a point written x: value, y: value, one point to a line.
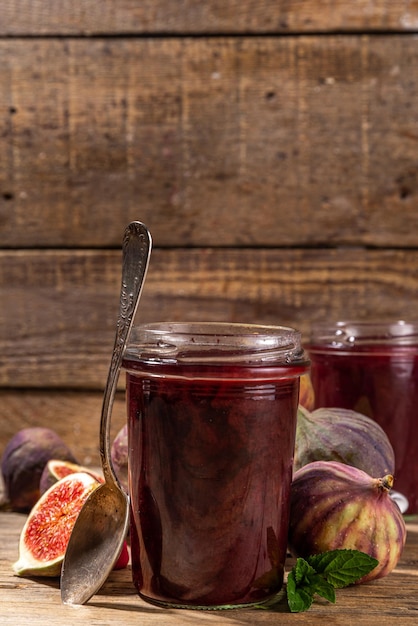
x: 303, y: 572
x: 323, y: 588
x: 298, y: 598
x: 342, y: 567
x: 322, y: 573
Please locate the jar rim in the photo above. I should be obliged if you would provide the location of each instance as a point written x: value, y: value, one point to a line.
x: 358, y: 333
x: 216, y: 343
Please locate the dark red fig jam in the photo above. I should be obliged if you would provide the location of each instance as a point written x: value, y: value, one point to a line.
x: 211, y: 438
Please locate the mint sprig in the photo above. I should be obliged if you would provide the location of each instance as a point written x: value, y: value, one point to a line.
x: 303, y: 582
x: 320, y: 575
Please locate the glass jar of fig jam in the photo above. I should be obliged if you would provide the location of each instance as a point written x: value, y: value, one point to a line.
x: 372, y: 368
x: 211, y: 430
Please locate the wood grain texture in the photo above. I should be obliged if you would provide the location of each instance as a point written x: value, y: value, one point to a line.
x: 223, y: 141
x: 74, y: 415
x: 40, y: 17
x: 32, y: 602
x: 59, y: 308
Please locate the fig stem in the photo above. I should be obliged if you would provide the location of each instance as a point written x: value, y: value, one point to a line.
x: 386, y: 483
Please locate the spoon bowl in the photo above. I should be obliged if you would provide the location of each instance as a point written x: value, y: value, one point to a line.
x: 90, y: 558
x: 101, y: 526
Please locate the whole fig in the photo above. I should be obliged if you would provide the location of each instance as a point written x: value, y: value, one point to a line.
x: 337, y: 506
x: 119, y: 456
x: 334, y: 434
x: 23, y: 461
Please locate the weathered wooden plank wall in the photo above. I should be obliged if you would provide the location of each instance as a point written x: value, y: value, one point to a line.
x: 314, y: 138
x: 89, y: 17
x: 271, y: 147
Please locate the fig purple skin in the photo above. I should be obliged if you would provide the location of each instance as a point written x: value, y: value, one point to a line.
x: 343, y: 435
x: 23, y: 462
x: 337, y: 506
x: 119, y: 456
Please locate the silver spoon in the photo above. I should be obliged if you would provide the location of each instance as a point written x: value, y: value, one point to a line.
x: 101, y: 526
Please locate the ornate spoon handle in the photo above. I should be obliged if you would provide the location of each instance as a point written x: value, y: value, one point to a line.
x: 136, y: 251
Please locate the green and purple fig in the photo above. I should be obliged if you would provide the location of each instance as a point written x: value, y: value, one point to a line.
x: 343, y: 435
x: 23, y: 462
x: 337, y: 506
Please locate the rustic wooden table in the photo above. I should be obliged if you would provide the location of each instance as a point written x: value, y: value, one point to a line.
x: 25, y: 601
